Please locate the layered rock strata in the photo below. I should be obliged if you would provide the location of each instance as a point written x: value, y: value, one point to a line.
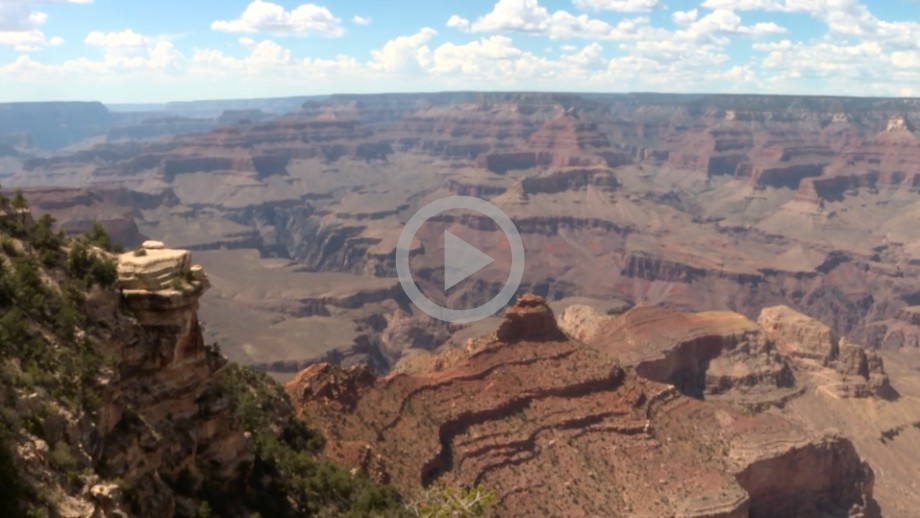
x: 557, y: 427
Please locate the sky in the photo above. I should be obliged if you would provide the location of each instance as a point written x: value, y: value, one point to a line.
x: 120, y: 51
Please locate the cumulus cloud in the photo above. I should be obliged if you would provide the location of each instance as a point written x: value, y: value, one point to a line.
x: 514, y: 15
x: 624, y: 6
x: 685, y: 17
x: 262, y: 16
x: 848, y: 18
x: 591, y: 57
x: 723, y: 22
x: 858, y: 53
x: 361, y: 20
x: 123, y: 40
x: 528, y: 16
x: 160, y: 58
x: 20, y: 24
x: 458, y: 22
x: 404, y: 54
x: 269, y: 58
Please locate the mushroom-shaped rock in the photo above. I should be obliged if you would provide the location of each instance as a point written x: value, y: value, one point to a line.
x: 153, y: 245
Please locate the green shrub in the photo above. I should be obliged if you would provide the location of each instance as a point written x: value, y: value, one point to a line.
x: 47, y: 244
x: 104, y: 272
x: 97, y: 236
x: 61, y: 457
x: 300, y: 483
x: 440, y: 501
x: 204, y: 511
x: 91, y: 268
x: 9, y: 247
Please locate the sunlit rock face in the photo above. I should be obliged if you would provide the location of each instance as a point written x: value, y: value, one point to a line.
x: 560, y: 427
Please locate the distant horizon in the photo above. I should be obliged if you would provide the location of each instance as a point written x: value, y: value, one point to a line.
x: 436, y: 92
x: 174, y: 50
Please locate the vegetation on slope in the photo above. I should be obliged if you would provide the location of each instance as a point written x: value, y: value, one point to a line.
x: 50, y: 371
x: 287, y: 478
x: 47, y: 366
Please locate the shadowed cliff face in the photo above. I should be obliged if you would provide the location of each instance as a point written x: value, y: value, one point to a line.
x: 54, y: 125
x: 558, y: 427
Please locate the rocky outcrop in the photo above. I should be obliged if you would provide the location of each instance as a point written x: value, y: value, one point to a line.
x: 894, y: 333
x: 490, y: 123
x: 704, y: 355
x: 582, y: 322
x: 529, y: 319
x: 886, y: 161
x: 863, y: 373
x: 163, y: 415
x: 858, y: 372
x: 331, y: 385
x: 569, y: 180
x: 799, y: 335
x: 531, y: 418
x: 565, y: 141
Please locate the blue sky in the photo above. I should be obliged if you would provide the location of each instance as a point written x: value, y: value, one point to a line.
x: 154, y: 51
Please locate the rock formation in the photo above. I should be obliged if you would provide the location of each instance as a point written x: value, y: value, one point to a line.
x: 711, y: 355
x: 799, y: 335
x: 556, y: 427
x: 692, y: 202
x: 860, y: 373
x: 163, y: 416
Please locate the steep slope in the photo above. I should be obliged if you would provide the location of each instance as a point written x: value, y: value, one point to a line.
x: 826, y: 383
x: 112, y: 405
x: 557, y: 427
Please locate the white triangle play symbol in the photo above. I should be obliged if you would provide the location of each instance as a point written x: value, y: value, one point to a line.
x: 461, y: 260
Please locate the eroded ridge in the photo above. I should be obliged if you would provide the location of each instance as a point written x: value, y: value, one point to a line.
x: 560, y: 428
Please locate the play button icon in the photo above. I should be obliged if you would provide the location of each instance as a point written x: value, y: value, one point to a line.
x: 461, y: 260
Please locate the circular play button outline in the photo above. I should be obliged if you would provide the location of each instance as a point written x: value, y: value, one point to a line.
x: 460, y: 316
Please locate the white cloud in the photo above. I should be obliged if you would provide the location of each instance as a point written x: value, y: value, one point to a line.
x: 269, y: 59
x: 514, y: 15
x: 528, y: 16
x: 404, y: 54
x: 591, y: 57
x: 847, y: 18
x: 361, y: 20
x: 624, y: 6
x: 262, y: 16
x: 857, y: 54
x: 722, y: 22
x: 458, y: 22
x: 494, y: 58
x: 20, y: 25
x: 685, y: 17
x: 909, y: 60
x: 126, y: 40
x: 160, y: 58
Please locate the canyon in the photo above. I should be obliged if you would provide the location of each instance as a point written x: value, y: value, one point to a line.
x: 723, y: 202
x: 721, y: 288
x: 608, y: 426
